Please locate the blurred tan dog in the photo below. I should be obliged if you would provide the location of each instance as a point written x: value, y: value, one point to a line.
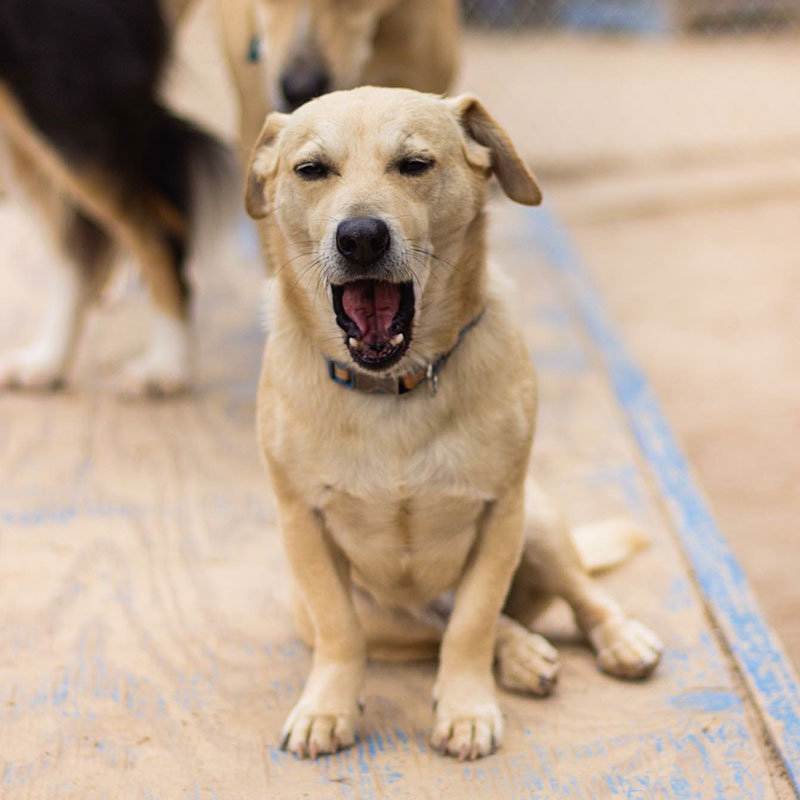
x: 396, y: 412
x: 284, y: 52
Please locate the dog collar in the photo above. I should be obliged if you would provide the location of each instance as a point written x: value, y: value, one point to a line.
x: 350, y: 378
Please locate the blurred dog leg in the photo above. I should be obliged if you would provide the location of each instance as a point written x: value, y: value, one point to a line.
x: 81, y: 260
x: 155, y: 234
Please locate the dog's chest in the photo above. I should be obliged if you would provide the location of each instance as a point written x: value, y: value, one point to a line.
x: 404, y: 550
x: 406, y: 521
x: 402, y: 489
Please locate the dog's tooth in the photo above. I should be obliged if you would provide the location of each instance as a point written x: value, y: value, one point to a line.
x: 355, y: 344
x: 395, y: 340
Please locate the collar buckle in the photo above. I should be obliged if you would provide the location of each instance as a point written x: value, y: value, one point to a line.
x: 342, y: 375
x: 433, y: 379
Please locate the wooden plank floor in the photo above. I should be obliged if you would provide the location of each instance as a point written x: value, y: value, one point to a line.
x: 146, y: 650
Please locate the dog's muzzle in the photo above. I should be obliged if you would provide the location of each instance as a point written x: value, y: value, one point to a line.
x: 300, y: 83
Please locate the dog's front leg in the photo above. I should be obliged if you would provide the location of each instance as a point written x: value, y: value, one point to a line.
x: 324, y: 719
x: 468, y: 721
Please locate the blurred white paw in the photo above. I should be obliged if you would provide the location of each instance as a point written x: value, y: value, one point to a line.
x: 35, y: 367
x: 164, y: 368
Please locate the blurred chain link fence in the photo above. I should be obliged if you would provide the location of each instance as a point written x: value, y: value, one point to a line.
x: 635, y: 16
x: 695, y: 101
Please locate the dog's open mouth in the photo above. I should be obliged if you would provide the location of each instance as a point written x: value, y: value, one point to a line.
x: 376, y: 318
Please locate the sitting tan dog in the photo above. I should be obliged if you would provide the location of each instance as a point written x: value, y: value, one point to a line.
x: 396, y: 412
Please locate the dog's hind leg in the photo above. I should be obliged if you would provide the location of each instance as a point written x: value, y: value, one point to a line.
x: 184, y: 170
x: 43, y: 364
x: 150, y: 217
x: 152, y: 230
x: 80, y: 257
x: 551, y: 566
x: 164, y: 365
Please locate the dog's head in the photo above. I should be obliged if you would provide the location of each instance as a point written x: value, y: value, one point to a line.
x: 378, y: 195
x: 317, y: 46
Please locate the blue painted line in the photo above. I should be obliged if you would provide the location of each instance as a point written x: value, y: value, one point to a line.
x: 758, y: 653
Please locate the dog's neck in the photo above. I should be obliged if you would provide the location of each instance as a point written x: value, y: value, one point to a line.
x: 462, y: 297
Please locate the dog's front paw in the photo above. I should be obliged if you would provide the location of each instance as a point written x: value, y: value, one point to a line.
x: 324, y: 719
x: 309, y: 733
x: 468, y: 721
x: 527, y: 662
x: 31, y: 368
x: 626, y: 648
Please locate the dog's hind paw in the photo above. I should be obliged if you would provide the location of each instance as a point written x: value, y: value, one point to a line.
x: 626, y: 648
x: 31, y: 368
x: 527, y: 662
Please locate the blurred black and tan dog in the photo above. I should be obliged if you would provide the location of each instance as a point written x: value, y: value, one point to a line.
x: 86, y: 142
x: 283, y: 53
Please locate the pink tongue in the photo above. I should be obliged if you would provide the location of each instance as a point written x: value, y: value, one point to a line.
x: 372, y: 305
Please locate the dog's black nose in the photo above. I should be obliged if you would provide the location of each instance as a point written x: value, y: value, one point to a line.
x: 362, y: 240
x: 301, y: 85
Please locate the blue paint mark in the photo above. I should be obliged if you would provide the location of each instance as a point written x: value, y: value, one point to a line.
x: 706, y: 700
x: 571, y: 362
x: 626, y: 478
x: 63, y: 516
x: 680, y: 595
x: 80, y: 504
x: 61, y: 691
x: 362, y: 761
x: 721, y: 578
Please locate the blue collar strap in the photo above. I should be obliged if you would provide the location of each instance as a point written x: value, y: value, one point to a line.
x: 351, y: 378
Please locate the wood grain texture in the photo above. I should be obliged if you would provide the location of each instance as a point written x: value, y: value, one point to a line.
x: 146, y: 650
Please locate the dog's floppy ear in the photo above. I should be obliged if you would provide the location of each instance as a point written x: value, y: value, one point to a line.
x: 262, y: 166
x: 483, y: 131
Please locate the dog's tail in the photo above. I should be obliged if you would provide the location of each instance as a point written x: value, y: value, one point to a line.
x: 608, y: 543
x: 600, y: 545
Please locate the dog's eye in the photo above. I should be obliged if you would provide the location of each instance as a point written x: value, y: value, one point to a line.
x: 312, y: 170
x: 414, y: 166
